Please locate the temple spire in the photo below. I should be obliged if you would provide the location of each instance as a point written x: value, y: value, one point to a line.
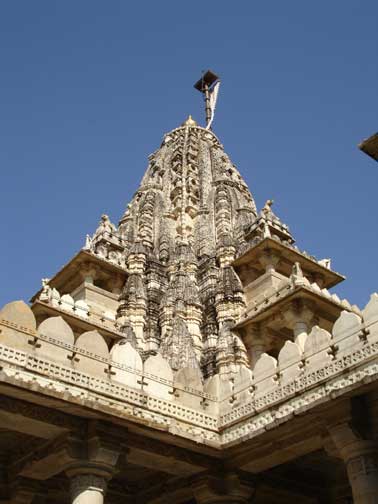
x: 209, y: 85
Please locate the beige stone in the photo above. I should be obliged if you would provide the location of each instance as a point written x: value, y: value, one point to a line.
x: 57, y: 329
x: 124, y: 354
x: 346, y: 331
x: 94, y: 345
x: 289, y: 361
x: 317, y: 347
x: 186, y: 381
x: 370, y: 316
x: 160, y: 383
x: 19, y: 313
x: 265, y: 373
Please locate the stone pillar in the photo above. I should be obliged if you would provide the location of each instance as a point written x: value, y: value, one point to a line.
x: 254, y: 343
x: 362, y: 468
x: 299, y: 315
x: 87, y: 488
x: 226, y: 490
x: 89, y: 475
x: 255, y: 350
x: 361, y: 460
x: 300, y: 331
x: 88, y: 272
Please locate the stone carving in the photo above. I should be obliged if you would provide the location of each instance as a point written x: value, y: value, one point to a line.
x: 163, y: 237
x: 46, y: 289
x: 267, y: 209
x: 87, y: 488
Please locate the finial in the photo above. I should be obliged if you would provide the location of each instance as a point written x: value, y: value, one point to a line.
x: 190, y: 122
x: 267, y: 208
x: 209, y: 86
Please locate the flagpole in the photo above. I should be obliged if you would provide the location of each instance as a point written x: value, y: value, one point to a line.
x: 207, y: 103
x: 205, y: 85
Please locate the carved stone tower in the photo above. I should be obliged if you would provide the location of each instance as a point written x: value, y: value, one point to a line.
x: 176, y: 242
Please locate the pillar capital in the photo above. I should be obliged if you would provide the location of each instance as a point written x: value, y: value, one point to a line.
x: 90, y: 471
x: 298, y: 311
x: 229, y: 489
x: 361, y: 459
x: 269, y: 259
x: 88, y: 271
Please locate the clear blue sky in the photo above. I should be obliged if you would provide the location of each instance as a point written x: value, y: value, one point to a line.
x: 89, y: 87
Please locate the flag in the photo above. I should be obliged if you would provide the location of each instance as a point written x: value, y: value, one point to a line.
x: 213, y: 102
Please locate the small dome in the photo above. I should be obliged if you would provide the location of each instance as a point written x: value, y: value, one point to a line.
x: 190, y: 122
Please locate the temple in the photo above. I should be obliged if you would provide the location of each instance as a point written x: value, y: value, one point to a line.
x: 191, y: 354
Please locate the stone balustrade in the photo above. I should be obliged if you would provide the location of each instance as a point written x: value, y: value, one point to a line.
x: 264, y: 301
x: 329, y: 365
x: 89, y: 352
x: 222, y: 409
x: 80, y: 309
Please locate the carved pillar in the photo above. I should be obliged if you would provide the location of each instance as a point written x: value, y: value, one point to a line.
x: 361, y: 460
x: 94, y: 464
x: 254, y: 343
x: 300, y: 331
x: 299, y: 315
x: 226, y: 490
x: 87, y: 488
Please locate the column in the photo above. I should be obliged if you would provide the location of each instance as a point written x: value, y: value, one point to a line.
x: 299, y: 315
x: 254, y: 343
x: 361, y: 460
x: 255, y: 350
x: 362, y: 468
x: 88, y: 272
x: 269, y: 260
x: 89, y: 476
x: 221, y: 490
x: 300, y: 331
x: 87, y: 489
